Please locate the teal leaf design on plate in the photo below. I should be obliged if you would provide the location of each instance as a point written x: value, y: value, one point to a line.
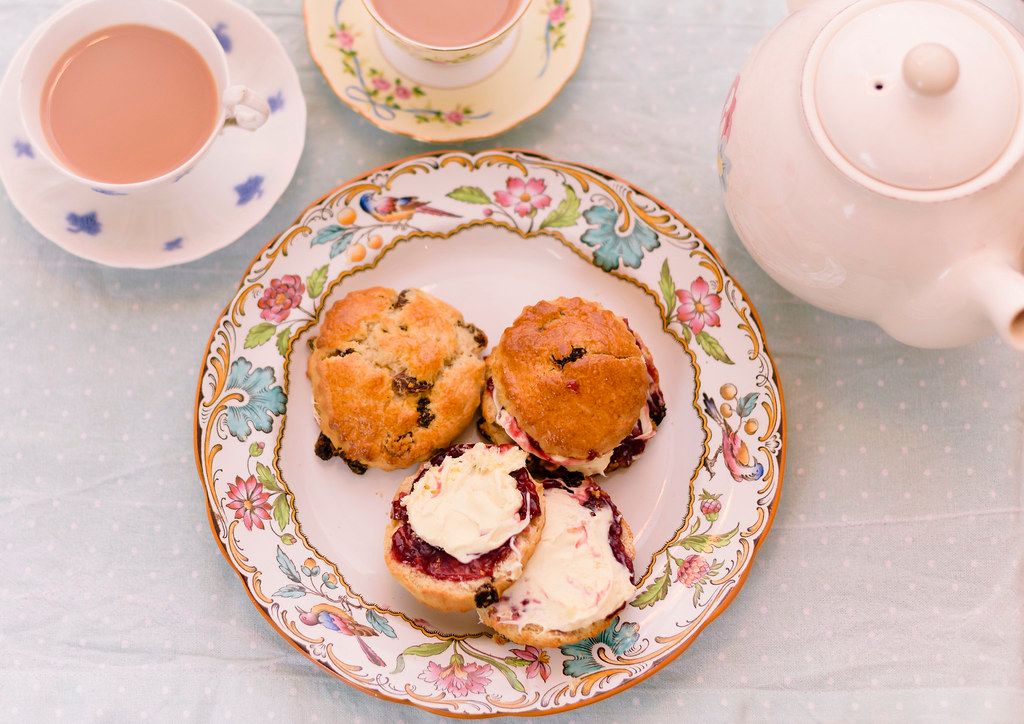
x: 426, y: 650
x: 566, y: 213
x: 745, y: 405
x: 259, y: 402
x: 469, y: 195
x: 259, y: 334
x: 380, y: 623
x: 329, y: 234
x: 341, y: 244
x: 290, y: 591
x: 619, y: 638
x: 612, y: 248
x: 287, y: 567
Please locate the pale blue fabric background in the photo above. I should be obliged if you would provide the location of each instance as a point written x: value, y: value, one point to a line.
x: 890, y: 589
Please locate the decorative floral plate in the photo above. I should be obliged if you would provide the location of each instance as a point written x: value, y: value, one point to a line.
x: 227, y: 193
x: 305, y: 535
x: 549, y: 48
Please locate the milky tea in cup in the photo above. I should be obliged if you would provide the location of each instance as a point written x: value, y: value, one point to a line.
x: 128, y: 103
x: 446, y: 23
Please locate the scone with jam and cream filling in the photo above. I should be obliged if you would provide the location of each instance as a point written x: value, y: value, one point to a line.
x: 573, y: 385
x: 580, y: 576
x: 464, y: 525
x: 396, y: 376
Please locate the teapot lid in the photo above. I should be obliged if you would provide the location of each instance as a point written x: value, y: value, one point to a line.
x: 920, y: 95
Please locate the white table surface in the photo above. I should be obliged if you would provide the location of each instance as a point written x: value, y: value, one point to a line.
x: 891, y: 587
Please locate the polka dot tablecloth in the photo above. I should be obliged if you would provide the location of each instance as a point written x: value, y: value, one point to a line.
x: 890, y: 589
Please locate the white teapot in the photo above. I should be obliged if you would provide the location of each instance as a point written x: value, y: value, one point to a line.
x: 871, y: 156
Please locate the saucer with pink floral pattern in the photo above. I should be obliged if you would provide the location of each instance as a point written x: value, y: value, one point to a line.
x: 547, y: 48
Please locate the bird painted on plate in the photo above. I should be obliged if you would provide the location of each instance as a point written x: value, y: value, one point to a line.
x: 741, y: 464
x: 335, y: 619
x: 391, y: 210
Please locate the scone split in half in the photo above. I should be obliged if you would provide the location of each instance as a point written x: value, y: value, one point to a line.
x: 572, y: 384
x: 464, y: 525
x: 396, y: 376
x: 580, y: 576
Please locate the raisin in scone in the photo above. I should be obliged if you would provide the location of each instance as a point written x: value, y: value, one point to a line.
x: 396, y: 376
x: 572, y: 384
x: 464, y: 525
x: 580, y: 576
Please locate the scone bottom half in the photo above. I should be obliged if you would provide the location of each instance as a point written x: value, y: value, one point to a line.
x: 579, y: 578
x: 462, y: 528
x: 396, y: 376
x: 552, y: 340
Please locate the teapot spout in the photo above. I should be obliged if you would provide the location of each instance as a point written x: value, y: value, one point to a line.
x: 999, y: 290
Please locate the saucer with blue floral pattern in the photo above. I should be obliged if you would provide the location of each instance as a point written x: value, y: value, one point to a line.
x: 226, y: 194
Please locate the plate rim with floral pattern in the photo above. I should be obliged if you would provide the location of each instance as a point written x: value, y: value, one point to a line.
x: 341, y: 41
x: 241, y: 403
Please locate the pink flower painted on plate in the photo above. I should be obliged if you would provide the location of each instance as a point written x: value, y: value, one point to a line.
x: 456, y: 117
x: 458, y: 678
x: 557, y: 14
x: 538, y: 659
x: 281, y: 297
x: 249, y: 501
x: 699, y: 306
x: 380, y: 83
x: 345, y: 39
x: 402, y: 92
x: 526, y: 196
x: 710, y: 505
x: 692, y: 570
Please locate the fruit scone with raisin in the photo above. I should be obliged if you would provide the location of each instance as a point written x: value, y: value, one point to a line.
x: 396, y: 376
x: 580, y: 576
x: 573, y: 385
x: 464, y: 525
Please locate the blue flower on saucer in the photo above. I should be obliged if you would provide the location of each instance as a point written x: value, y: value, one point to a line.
x: 618, y: 638
x: 259, y: 400
x: 173, y: 244
x: 83, y: 223
x: 221, y: 31
x: 276, y: 102
x: 251, y: 188
x: 23, y: 149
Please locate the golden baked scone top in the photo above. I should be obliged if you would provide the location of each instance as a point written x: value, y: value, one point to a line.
x: 395, y: 376
x: 572, y: 375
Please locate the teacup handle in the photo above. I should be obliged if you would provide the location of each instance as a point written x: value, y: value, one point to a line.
x: 245, y: 108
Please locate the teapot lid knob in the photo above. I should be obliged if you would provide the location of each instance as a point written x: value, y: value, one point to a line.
x: 916, y: 95
x: 931, y: 69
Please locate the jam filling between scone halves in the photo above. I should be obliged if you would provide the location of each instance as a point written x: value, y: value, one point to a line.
x: 408, y: 548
